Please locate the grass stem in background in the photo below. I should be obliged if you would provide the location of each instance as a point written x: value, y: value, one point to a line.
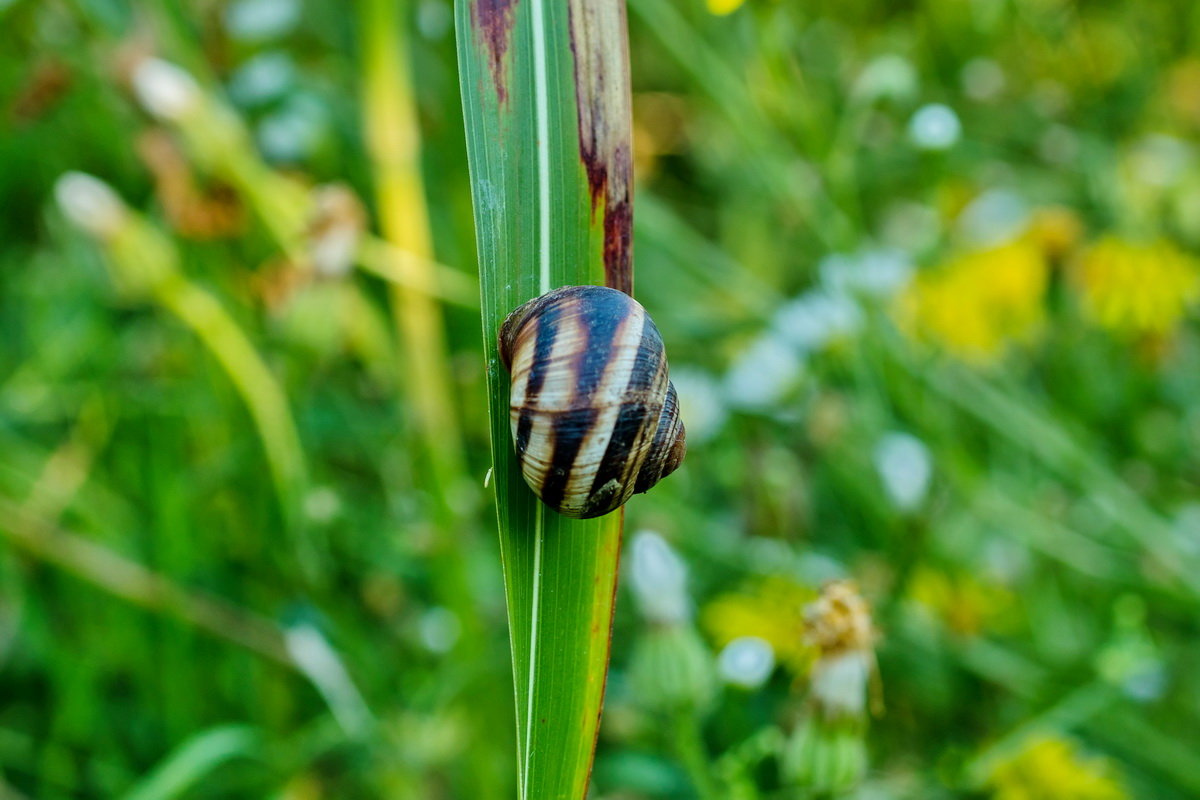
x: 394, y: 143
x: 121, y: 577
x: 145, y: 264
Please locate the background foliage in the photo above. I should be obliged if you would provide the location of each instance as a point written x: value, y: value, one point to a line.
x: 925, y: 272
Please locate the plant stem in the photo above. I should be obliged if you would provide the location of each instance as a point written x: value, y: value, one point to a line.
x: 393, y: 139
x: 121, y: 577
x: 689, y: 744
x: 145, y: 263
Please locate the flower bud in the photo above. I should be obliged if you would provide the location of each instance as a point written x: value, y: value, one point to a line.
x: 658, y: 578
x: 826, y: 756
x: 671, y: 670
x: 164, y: 90
x: 89, y: 203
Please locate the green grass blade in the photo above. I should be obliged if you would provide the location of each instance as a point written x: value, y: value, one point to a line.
x: 194, y: 760
x: 546, y: 95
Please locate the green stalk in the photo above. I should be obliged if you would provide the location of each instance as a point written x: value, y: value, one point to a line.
x: 136, y: 584
x: 140, y: 252
x: 689, y: 745
x: 145, y: 265
x: 217, y: 140
x: 394, y: 142
x: 546, y: 96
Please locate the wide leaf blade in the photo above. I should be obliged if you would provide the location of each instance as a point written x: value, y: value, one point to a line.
x: 546, y: 96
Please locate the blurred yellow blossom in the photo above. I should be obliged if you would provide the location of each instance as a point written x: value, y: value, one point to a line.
x: 1052, y: 768
x: 771, y: 609
x: 963, y: 603
x: 1055, y: 230
x: 723, y: 7
x: 1136, y: 288
x: 660, y: 128
x: 1182, y: 89
x: 978, y: 303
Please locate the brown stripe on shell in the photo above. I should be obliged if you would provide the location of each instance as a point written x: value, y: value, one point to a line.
x: 594, y: 416
x: 627, y: 448
x: 667, y: 449
x: 607, y: 396
x: 547, y: 348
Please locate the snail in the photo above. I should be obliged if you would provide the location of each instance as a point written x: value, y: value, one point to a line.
x: 595, y: 419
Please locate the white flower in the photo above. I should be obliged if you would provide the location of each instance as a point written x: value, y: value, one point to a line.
x: 322, y: 505
x: 164, y: 90
x: 1186, y: 529
x: 816, y: 318
x: 912, y: 227
x: 439, y: 629
x: 333, y: 254
x: 747, y: 662
x: 1160, y: 160
x: 890, y: 76
x: 89, y: 203
x: 876, y: 272
x: 292, y: 132
x: 700, y: 403
x: 995, y: 217
x: 839, y: 682
x: 905, y: 467
x: 934, y: 127
x: 262, y: 79
x: 1058, y: 145
x: 763, y: 373
x: 335, y: 228
x: 435, y: 18
x: 257, y: 20
x: 658, y: 578
x: 982, y: 79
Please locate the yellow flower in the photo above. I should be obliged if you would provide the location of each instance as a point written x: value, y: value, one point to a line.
x: 771, y: 609
x: 1055, y: 230
x: 1182, y: 90
x: 1052, y: 768
x: 977, y: 304
x: 964, y: 604
x: 723, y: 7
x: 1136, y: 289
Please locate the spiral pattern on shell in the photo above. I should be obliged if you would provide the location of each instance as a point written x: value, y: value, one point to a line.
x: 594, y: 416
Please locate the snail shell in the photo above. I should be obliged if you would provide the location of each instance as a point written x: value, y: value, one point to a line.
x: 594, y: 417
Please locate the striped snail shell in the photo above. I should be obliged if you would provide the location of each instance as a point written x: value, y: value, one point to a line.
x: 594, y: 417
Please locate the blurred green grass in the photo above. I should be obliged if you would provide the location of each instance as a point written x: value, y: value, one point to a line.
x: 1036, y: 592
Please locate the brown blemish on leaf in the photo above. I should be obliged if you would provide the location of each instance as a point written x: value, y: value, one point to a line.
x: 492, y: 21
x: 600, y: 49
x: 618, y: 245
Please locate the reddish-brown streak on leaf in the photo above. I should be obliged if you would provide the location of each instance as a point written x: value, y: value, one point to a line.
x: 618, y: 211
x: 618, y: 236
x: 493, y: 20
x: 609, y: 173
